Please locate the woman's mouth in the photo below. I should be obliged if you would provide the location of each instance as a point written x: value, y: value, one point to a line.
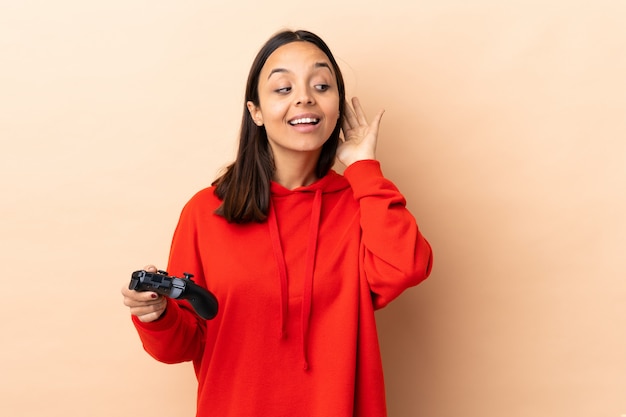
x: 304, y: 121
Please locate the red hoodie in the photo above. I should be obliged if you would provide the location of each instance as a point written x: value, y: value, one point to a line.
x: 295, y: 334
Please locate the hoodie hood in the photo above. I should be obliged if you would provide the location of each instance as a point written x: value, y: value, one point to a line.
x: 330, y: 183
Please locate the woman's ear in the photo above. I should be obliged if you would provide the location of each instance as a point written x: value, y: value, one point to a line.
x: 255, y: 113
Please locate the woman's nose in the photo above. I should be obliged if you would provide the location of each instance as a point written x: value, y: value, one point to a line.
x: 304, y: 96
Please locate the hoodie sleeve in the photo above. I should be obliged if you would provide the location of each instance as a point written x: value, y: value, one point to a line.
x: 394, y: 254
x: 178, y: 335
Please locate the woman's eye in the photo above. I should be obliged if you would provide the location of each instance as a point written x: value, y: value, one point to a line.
x: 322, y: 87
x: 283, y: 90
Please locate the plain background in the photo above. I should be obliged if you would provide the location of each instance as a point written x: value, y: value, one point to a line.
x: 505, y: 128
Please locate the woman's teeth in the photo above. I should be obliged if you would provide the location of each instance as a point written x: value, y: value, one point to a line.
x: 305, y: 120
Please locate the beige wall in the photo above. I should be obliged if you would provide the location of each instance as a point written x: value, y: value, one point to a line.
x: 505, y: 128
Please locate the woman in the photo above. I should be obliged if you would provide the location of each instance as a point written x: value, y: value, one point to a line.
x: 298, y: 256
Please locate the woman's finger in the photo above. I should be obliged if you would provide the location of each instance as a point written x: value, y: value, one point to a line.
x: 147, y: 309
x: 359, y: 113
x: 350, y: 118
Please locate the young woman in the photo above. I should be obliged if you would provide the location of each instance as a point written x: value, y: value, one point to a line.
x: 298, y: 256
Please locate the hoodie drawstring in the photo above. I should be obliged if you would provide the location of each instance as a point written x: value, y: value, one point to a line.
x: 282, y: 270
x: 307, y: 296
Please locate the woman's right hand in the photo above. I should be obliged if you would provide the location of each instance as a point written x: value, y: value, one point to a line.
x: 147, y: 305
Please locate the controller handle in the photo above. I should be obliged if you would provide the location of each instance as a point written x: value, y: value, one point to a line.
x: 200, y: 299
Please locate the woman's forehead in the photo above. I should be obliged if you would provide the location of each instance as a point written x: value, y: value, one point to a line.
x: 296, y: 56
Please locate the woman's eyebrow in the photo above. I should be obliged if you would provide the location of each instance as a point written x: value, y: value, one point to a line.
x: 285, y: 70
x: 277, y: 70
x: 323, y: 65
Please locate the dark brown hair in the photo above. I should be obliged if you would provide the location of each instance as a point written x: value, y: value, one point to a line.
x: 245, y: 186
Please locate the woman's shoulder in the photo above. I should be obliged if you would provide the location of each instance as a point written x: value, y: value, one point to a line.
x: 203, y: 200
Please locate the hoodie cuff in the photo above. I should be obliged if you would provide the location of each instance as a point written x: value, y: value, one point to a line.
x: 365, y: 176
x: 363, y: 167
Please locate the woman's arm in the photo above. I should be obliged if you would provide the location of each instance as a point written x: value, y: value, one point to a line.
x: 394, y: 254
x: 179, y: 333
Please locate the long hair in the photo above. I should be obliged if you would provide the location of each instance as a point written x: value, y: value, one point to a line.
x: 244, y: 188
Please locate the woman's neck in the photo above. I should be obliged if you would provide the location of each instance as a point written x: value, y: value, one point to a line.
x: 295, y: 172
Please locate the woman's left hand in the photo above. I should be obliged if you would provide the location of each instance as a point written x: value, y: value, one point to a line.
x: 359, y: 136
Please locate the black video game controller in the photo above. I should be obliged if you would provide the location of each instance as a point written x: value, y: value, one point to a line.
x: 201, y: 299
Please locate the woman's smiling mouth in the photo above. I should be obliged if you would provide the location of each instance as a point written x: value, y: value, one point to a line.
x: 304, y: 120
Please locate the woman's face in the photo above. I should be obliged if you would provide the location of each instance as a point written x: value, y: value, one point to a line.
x: 298, y: 99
